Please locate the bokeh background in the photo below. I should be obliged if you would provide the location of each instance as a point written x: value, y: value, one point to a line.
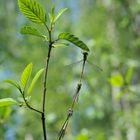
x: 109, y: 103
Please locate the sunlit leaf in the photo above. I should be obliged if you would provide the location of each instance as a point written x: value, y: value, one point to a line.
x: 117, y: 80
x: 51, y: 15
x: 71, y: 38
x: 32, y: 10
x: 7, y: 102
x: 60, y: 45
x: 129, y: 75
x: 26, y: 76
x: 59, y: 14
x: 13, y: 83
x: 27, y: 30
x: 39, y: 73
x: 52, y: 11
x: 51, y: 18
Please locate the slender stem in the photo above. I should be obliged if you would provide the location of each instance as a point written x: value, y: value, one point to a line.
x: 45, y: 78
x: 29, y: 106
x: 45, y: 81
x: 44, y: 94
x: 46, y: 27
x: 44, y: 126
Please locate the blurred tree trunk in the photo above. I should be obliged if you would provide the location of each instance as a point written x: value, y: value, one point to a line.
x: 122, y: 105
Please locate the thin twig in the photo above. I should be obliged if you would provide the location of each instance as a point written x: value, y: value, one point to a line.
x: 29, y: 106
x: 76, y: 95
x: 44, y: 84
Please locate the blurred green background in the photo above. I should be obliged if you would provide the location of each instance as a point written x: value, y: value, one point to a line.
x: 109, y: 104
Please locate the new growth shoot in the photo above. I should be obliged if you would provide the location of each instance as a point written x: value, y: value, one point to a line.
x: 34, y: 12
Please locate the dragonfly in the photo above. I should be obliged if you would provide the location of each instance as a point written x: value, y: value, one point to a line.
x: 85, y: 54
x: 71, y: 110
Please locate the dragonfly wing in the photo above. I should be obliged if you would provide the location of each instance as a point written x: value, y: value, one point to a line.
x: 75, y: 63
x: 96, y: 66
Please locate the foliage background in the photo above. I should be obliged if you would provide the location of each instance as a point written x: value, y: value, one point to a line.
x: 108, y: 107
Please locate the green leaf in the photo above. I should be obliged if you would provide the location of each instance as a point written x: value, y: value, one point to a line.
x: 117, y: 80
x: 39, y: 73
x: 129, y: 75
x: 59, y: 14
x: 13, y: 83
x: 52, y: 11
x: 71, y: 38
x: 7, y: 102
x: 32, y: 10
x: 51, y: 15
x: 60, y: 45
x: 30, y: 31
x: 26, y: 76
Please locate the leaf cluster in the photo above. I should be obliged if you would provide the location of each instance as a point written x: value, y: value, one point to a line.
x: 35, y: 13
x: 24, y: 80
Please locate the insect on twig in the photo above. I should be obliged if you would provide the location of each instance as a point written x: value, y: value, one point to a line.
x: 76, y: 95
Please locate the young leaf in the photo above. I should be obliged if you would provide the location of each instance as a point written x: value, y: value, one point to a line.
x: 7, y: 102
x: 52, y: 11
x: 13, y: 83
x: 39, y: 73
x: 51, y: 15
x: 59, y: 14
x: 71, y: 38
x: 30, y: 31
x: 60, y: 45
x: 32, y: 10
x: 26, y: 76
x: 51, y: 18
